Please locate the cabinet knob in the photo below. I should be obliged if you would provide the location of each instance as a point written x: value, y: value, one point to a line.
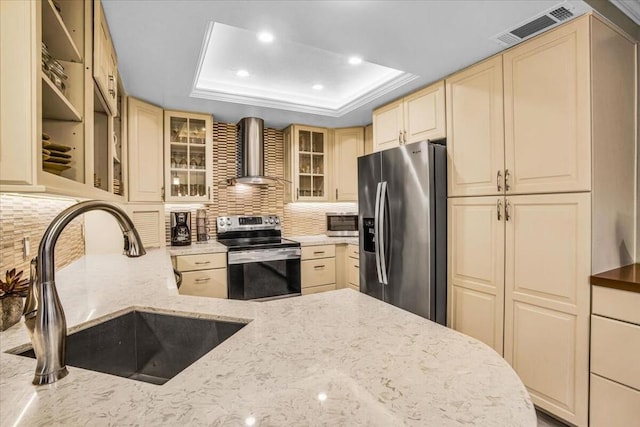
x: 499, y: 208
x: 499, y: 180
x: 507, y: 215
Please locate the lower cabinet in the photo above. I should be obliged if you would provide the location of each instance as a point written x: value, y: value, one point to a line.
x: 318, y: 269
x: 519, y: 270
x: 203, y: 275
x: 615, y: 345
x: 353, y: 267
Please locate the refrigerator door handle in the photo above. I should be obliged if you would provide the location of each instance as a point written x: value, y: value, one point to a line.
x: 380, y: 238
x: 376, y: 231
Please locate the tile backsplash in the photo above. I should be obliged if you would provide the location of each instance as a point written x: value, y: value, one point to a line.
x: 309, y: 218
x: 26, y: 216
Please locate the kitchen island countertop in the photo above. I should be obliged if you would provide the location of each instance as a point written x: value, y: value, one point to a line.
x: 336, y: 358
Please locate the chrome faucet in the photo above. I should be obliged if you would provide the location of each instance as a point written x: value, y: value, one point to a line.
x: 43, y: 312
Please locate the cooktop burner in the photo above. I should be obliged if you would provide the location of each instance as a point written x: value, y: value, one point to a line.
x: 257, y: 243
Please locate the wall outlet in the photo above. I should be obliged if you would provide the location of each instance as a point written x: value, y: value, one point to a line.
x: 26, y: 248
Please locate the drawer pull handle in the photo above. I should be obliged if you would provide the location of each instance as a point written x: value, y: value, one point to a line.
x: 203, y: 279
x: 356, y: 266
x: 318, y: 267
x: 202, y: 262
x: 318, y: 252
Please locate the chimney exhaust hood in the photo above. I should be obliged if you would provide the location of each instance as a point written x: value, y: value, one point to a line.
x: 250, y: 157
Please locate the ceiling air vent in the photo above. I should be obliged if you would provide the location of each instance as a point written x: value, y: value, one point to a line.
x: 541, y: 22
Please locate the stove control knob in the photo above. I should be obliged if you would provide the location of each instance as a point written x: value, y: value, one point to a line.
x: 277, y: 220
x: 221, y: 222
x: 228, y: 221
x: 272, y: 221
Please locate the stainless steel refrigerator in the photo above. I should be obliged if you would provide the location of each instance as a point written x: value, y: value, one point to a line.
x: 402, y: 196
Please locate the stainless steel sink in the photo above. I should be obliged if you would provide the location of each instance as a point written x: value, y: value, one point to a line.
x: 145, y: 346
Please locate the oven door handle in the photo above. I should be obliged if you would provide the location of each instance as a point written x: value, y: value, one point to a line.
x: 262, y: 255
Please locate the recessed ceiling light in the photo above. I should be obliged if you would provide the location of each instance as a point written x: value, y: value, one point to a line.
x: 355, y: 60
x: 317, y: 87
x: 265, y: 37
x: 242, y: 73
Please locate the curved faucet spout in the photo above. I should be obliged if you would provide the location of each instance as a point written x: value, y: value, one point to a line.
x: 43, y: 311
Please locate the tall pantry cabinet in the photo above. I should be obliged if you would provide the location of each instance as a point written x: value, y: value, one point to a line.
x: 543, y: 138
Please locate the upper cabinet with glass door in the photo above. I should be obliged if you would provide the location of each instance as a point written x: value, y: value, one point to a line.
x: 188, y: 156
x: 307, y: 167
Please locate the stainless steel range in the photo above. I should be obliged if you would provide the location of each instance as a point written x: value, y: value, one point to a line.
x: 260, y: 263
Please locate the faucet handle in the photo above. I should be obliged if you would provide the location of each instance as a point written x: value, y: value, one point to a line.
x: 31, y: 302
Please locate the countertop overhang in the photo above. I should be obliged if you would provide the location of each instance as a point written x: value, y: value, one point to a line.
x: 336, y: 358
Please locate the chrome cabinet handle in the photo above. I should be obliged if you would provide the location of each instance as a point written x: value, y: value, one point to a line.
x: 202, y: 279
x: 399, y: 137
x: 202, y: 262
x: 499, y: 180
x: 507, y: 215
x: 499, y: 208
x: 507, y: 187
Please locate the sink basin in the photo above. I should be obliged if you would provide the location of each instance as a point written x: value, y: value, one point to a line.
x: 145, y: 346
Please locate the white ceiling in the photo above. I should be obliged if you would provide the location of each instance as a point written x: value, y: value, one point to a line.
x: 159, y: 43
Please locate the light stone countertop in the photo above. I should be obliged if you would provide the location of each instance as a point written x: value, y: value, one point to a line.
x: 321, y: 239
x: 376, y: 364
x: 209, y: 247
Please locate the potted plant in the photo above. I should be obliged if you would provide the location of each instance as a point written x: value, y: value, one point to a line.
x: 12, y: 290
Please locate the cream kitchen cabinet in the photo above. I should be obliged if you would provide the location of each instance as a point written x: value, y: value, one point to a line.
x: 416, y: 117
x: 475, y: 130
x: 353, y: 267
x: 105, y: 61
x: 518, y: 275
x: 549, y: 149
x: 572, y: 138
x: 188, y: 156
x: 145, y: 136
x: 615, y: 345
x: 318, y: 269
x: 348, y: 145
x: 203, y: 275
x: 52, y: 113
x: 306, y: 163
x: 476, y: 268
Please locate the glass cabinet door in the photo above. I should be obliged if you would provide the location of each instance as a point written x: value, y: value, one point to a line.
x: 311, y: 164
x: 189, y: 157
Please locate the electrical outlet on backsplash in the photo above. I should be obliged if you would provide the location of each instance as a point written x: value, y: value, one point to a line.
x: 24, y: 219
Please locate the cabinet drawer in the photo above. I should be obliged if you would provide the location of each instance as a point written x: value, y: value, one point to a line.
x: 353, y: 251
x: 318, y: 272
x: 313, y: 252
x: 353, y: 271
x: 612, y: 404
x: 614, y: 350
x: 201, y: 262
x: 616, y: 304
x: 205, y: 283
x: 355, y: 288
x: 318, y: 289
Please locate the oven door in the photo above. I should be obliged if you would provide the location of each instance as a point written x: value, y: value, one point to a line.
x: 263, y: 273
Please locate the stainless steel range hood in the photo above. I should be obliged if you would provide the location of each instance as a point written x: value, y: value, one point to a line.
x: 250, y: 158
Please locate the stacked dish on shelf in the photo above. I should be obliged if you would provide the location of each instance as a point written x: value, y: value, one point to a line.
x: 55, y: 157
x: 54, y: 70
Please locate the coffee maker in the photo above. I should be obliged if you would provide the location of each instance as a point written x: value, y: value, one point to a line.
x: 180, y: 228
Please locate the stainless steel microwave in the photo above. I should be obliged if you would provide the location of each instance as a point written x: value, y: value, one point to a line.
x: 340, y: 224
